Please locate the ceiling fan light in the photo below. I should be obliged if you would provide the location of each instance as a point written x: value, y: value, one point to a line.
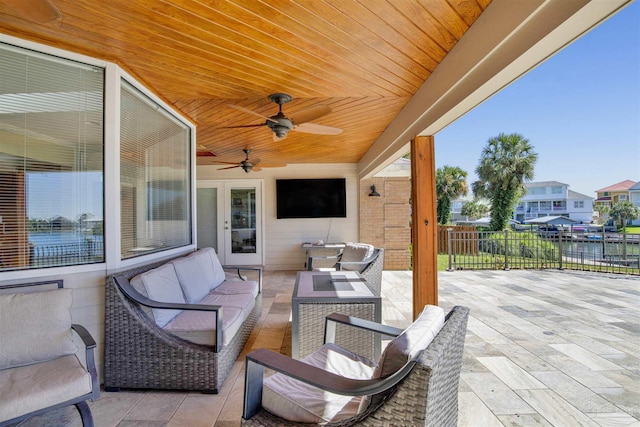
x: 280, y: 131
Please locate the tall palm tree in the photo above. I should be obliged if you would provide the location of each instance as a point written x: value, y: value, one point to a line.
x: 505, y: 163
x: 451, y: 183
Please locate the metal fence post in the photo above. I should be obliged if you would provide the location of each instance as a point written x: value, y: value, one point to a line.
x: 449, y: 231
x: 506, y: 249
x: 560, y: 232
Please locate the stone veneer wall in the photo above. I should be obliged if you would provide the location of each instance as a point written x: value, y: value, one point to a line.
x: 385, y: 220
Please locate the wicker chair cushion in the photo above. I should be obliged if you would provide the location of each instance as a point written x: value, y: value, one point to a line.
x: 199, y: 326
x: 48, y: 383
x: 355, y: 252
x: 209, y: 261
x: 193, y: 278
x: 162, y: 285
x: 294, y: 400
x: 410, y: 342
x: 48, y: 335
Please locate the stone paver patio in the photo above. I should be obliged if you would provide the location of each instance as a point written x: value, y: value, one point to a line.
x: 544, y: 348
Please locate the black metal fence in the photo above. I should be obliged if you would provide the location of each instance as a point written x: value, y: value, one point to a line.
x: 53, y: 255
x: 606, y: 252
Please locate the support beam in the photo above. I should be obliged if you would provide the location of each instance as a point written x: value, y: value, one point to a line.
x: 424, y: 223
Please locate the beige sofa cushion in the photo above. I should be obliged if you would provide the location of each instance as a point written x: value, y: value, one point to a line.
x: 210, y: 263
x: 234, y: 287
x: 162, y: 285
x: 35, y: 327
x: 245, y: 302
x: 194, y: 278
x: 294, y: 400
x: 28, y: 388
x: 200, y: 327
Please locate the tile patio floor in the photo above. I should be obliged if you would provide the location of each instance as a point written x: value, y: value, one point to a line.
x: 544, y: 348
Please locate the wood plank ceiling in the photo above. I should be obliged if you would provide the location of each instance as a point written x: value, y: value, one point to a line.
x: 364, y: 59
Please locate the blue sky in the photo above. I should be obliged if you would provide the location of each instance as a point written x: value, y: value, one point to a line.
x: 580, y: 109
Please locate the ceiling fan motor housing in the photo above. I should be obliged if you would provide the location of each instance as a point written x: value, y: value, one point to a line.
x: 281, y: 126
x: 246, y: 166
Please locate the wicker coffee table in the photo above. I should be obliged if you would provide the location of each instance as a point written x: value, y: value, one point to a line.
x: 318, y: 294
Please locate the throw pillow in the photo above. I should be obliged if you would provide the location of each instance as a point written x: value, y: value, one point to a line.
x: 410, y: 342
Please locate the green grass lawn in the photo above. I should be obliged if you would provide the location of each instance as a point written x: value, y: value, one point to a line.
x: 635, y: 229
x: 443, y: 262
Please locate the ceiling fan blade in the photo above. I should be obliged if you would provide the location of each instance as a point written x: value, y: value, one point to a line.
x: 243, y: 126
x: 317, y: 129
x: 205, y: 154
x: 220, y: 162
x: 246, y: 110
x: 36, y: 11
x: 229, y: 167
x: 310, y: 113
x: 273, y: 165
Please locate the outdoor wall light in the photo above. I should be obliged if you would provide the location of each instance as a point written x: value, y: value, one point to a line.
x: 373, y: 192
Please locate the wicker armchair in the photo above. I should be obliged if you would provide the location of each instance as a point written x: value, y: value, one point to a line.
x: 370, y: 268
x: 372, y: 273
x: 423, y: 392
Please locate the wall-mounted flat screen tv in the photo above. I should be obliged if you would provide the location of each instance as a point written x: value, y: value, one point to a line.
x: 311, y: 198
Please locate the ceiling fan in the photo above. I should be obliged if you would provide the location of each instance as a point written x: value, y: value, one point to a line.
x: 280, y: 124
x: 36, y: 11
x: 248, y: 165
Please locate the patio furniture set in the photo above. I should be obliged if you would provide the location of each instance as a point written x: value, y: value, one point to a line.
x: 181, y: 324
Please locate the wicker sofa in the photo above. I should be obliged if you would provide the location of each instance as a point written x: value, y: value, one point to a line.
x: 179, y: 324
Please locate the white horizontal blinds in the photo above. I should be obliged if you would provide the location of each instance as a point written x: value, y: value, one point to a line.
x: 154, y: 174
x: 51, y: 161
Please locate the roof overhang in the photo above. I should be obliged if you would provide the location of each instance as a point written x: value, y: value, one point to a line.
x: 505, y: 42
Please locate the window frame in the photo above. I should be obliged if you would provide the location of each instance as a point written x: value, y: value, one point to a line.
x: 112, y: 166
x: 111, y: 188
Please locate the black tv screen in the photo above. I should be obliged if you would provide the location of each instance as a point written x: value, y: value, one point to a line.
x: 311, y: 198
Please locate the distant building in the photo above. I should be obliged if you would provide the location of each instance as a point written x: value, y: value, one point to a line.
x: 634, y: 197
x: 544, y: 198
x: 615, y: 193
x: 553, y: 198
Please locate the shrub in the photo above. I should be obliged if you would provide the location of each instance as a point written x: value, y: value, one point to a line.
x: 522, y: 244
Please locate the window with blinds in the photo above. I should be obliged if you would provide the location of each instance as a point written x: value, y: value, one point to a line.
x: 154, y: 176
x: 51, y: 161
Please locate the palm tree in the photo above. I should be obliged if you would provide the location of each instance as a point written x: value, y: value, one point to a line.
x: 506, y: 162
x: 624, y: 211
x: 603, y: 210
x: 451, y: 183
x: 474, y: 209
